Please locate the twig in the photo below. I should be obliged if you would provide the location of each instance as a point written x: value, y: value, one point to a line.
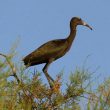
x: 11, y: 66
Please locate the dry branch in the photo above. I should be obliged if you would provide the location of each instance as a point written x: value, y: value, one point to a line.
x: 11, y: 66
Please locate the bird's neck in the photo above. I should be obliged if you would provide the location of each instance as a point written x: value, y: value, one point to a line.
x: 71, y: 37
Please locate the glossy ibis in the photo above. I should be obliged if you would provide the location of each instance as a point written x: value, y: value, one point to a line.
x: 52, y: 50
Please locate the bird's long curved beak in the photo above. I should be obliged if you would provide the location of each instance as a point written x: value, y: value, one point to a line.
x: 85, y: 24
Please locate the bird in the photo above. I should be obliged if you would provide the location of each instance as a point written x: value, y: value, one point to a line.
x: 54, y: 49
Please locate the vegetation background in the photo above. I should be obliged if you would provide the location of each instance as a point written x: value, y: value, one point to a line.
x: 20, y: 92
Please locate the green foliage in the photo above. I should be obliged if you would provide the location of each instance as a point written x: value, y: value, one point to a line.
x: 33, y: 94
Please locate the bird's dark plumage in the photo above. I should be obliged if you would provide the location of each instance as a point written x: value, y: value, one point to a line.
x: 54, y: 49
x: 45, y: 52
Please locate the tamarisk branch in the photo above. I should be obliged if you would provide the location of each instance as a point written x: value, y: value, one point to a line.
x: 11, y: 66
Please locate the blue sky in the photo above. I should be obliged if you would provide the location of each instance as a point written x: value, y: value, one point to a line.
x: 38, y: 21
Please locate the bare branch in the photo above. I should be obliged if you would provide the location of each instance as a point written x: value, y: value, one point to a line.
x: 11, y: 66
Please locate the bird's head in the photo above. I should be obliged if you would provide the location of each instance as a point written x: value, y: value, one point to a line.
x: 78, y: 21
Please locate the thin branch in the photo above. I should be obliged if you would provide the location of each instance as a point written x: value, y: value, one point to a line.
x: 11, y: 66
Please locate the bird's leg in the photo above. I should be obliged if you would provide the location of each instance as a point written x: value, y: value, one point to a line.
x: 46, y: 73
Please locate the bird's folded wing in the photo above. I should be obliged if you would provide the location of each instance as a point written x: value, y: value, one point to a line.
x: 46, y: 51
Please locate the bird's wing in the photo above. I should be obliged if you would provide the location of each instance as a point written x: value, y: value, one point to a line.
x: 47, y: 49
x: 50, y: 47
